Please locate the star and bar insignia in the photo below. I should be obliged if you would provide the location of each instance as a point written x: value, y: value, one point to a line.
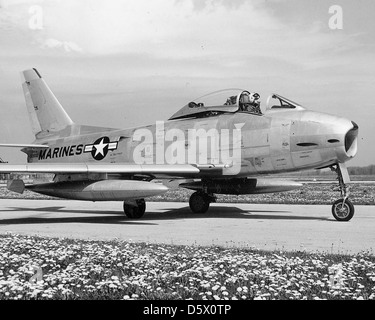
x: 100, y: 148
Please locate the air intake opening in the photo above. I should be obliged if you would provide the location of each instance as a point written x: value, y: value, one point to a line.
x: 351, y: 140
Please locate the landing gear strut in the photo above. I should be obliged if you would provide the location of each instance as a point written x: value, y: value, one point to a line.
x: 199, y: 201
x: 135, y: 209
x: 342, y: 209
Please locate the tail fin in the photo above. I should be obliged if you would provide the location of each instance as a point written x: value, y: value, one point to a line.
x: 47, y: 116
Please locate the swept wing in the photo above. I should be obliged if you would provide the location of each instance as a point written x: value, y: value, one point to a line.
x: 183, y: 170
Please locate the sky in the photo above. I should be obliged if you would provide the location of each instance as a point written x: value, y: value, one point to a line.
x: 127, y: 63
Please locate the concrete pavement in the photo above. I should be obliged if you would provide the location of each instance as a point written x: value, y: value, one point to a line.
x: 262, y: 226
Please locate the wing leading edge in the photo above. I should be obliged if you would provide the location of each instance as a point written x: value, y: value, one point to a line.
x: 98, y: 168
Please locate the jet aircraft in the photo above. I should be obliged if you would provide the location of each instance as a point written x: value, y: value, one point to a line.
x: 221, y: 143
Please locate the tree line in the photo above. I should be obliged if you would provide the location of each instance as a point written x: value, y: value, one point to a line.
x: 369, y: 170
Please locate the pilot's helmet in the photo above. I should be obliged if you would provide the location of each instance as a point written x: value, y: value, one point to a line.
x: 245, y: 98
x: 254, y: 97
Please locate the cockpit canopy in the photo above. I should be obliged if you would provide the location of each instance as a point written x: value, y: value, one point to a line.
x: 223, y: 101
x: 232, y: 101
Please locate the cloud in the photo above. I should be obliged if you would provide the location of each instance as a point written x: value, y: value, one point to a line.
x: 65, y: 45
x: 226, y: 32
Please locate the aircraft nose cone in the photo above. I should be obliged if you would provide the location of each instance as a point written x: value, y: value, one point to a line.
x: 340, y: 135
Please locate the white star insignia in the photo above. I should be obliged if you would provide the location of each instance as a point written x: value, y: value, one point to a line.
x: 100, y: 147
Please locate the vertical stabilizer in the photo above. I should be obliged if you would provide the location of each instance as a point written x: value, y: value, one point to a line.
x: 47, y: 116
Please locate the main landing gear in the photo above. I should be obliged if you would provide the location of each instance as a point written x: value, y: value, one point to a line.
x: 135, y: 209
x: 342, y: 209
x: 199, y: 201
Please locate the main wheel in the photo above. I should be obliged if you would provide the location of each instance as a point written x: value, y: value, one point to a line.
x: 135, y: 211
x: 343, y: 211
x: 199, y: 202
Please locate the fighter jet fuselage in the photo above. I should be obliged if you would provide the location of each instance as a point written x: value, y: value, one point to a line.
x: 278, y: 141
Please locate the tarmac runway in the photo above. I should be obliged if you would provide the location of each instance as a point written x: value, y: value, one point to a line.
x: 262, y: 226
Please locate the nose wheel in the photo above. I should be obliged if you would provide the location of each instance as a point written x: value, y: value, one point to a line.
x: 342, y: 209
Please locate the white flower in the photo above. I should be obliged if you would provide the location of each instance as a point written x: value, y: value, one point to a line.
x: 360, y: 298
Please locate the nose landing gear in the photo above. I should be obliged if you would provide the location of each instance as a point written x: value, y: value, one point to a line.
x: 342, y: 209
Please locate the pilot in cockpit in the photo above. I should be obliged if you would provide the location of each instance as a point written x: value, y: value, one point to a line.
x: 231, y: 101
x: 250, y: 102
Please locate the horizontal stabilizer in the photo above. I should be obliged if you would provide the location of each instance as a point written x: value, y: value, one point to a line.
x: 16, y: 186
x: 32, y: 146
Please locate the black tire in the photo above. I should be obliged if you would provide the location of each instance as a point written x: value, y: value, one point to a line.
x: 135, y: 212
x: 343, y: 211
x: 199, y: 202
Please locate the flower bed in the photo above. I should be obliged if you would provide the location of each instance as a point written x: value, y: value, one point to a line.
x: 46, y: 268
